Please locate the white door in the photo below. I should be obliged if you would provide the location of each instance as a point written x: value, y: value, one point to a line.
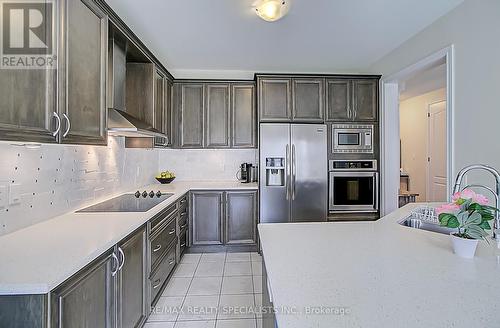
x: 437, y: 152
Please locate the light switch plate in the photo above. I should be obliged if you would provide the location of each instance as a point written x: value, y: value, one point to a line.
x: 14, y: 194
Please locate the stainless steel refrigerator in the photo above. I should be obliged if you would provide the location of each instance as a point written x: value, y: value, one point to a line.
x: 293, y: 172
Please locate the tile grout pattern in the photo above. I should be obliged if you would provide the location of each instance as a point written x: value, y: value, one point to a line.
x: 212, y: 290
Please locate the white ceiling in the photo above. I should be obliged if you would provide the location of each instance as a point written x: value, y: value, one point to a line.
x: 332, y: 36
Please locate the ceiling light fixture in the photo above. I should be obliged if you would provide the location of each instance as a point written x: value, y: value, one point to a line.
x: 271, y: 10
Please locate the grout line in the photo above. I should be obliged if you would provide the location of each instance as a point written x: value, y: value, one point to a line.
x: 184, y: 299
x: 220, y: 291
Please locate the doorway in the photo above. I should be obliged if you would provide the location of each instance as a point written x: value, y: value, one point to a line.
x: 416, y: 132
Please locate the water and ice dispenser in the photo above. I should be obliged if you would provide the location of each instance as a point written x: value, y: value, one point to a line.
x: 275, y: 171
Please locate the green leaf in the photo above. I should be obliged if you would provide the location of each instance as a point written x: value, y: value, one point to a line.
x: 473, y: 219
x: 476, y: 232
x: 485, y: 225
x: 444, y: 218
x: 462, y: 217
x: 453, y: 223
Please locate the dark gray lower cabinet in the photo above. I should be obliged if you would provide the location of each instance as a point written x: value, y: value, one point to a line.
x: 131, y: 282
x: 241, y: 217
x: 207, y: 217
x: 224, y: 218
x: 87, y: 299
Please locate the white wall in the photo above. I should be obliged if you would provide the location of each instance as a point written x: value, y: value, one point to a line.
x: 205, y: 164
x: 473, y: 28
x: 413, y: 124
x: 55, y: 179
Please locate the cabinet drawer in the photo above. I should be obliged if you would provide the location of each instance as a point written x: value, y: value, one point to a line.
x: 183, y: 240
x: 183, y: 202
x: 162, y: 217
x: 183, y: 219
x: 160, y: 276
x: 161, y: 241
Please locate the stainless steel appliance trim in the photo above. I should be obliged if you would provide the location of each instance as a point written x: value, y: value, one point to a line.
x: 332, y: 161
x: 361, y: 130
x: 353, y: 208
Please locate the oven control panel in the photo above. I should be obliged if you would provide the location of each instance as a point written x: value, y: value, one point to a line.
x: 359, y: 165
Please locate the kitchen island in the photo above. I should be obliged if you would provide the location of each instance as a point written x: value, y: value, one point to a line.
x: 377, y: 274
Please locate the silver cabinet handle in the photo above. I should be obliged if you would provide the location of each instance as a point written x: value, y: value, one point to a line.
x: 58, y: 124
x: 68, y: 125
x: 294, y: 171
x: 183, y: 226
x: 287, y: 171
x: 156, y: 283
x: 183, y: 214
x: 123, y: 258
x: 182, y: 245
x: 115, y: 258
x: 157, y: 248
x: 171, y: 232
x: 183, y: 201
x: 171, y: 261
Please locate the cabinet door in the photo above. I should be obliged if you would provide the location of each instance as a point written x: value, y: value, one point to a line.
x: 275, y: 100
x: 365, y: 100
x: 140, y: 90
x: 132, y: 281
x: 217, y: 115
x: 84, y: 96
x: 241, y: 217
x: 159, y: 105
x: 243, y: 116
x: 308, y: 100
x: 338, y: 100
x: 207, y: 218
x: 191, y: 115
x: 168, y: 124
x: 87, y: 298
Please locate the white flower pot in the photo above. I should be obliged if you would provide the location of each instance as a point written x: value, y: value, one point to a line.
x: 463, y: 247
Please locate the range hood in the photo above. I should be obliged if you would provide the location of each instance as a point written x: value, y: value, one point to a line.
x: 120, y: 123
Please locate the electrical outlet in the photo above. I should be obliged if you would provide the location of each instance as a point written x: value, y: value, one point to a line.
x: 14, y: 194
x: 4, y: 196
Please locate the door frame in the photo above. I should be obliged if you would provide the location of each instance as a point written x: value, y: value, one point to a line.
x: 428, y: 148
x: 389, y: 125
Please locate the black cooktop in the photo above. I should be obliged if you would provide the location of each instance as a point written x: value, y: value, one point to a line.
x: 138, y: 202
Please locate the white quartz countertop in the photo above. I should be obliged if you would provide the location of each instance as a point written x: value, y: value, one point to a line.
x: 379, y: 274
x: 36, y: 259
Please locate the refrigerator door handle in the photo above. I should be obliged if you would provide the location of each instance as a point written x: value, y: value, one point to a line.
x: 287, y: 171
x: 294, y: 171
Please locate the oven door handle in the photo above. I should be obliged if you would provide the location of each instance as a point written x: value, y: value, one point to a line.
x: 375, y: 191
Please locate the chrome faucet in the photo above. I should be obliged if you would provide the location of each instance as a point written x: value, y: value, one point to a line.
x: 496, y: 174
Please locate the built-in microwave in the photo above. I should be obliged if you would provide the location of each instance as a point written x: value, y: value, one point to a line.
x: 352, y: 138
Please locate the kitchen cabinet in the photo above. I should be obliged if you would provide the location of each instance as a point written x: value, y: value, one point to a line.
x: 241, y: 217
x: 167, y: 103
x: 352, y: 99
x: 308, y: 100
x: 131, y: 281
x: 275, y: 97
x: 191, y: 112
x: 207, y: 214
x: 66, y: 104
x: 224, y: 218
x: 243, y: 116
x: 140, y: 89
x: 87, y: 299
x: 163, y: 115
x: 217, y: 115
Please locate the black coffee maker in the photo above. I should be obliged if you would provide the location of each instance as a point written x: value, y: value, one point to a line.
x: 244, y: 173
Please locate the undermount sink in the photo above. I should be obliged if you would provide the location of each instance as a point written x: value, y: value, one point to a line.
x: 413, y: 222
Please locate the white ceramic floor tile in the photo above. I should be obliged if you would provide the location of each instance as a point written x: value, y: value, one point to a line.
x: 257, y: 268
x: 213, y: 257
x: 258, y: 305
x: 254, y: 256
x: 177, y: 287
x: 195, y: 324
x: 257, y: 284
x: 185, y: 270
x: 166, y: 309
x: 237, y: 257
x: 237, y: 285
x: 209, y: 269
x: 159, y: 325
x: 236, y: 307
x: 238, y: 269
x: 205, y: 286
x: 199, y: 308
x: 236, y: 323
x: 191, y: 258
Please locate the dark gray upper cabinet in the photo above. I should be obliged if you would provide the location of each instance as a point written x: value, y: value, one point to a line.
x: 275, y: 98
x: 191, y: 112
x: 168, y: 118
x: 308, y: 100
x: 86, y: 299
x: 241, y: 217
x: 243, y: 116
x: 84, y: 100
x: 352, y: 99
x: 365, y: 100
x: 338, y: 100
x: 207, y: 218
x: 159, y: 102
x: 131, y: 282
x: 140, y: 90
x: 217, y: 115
